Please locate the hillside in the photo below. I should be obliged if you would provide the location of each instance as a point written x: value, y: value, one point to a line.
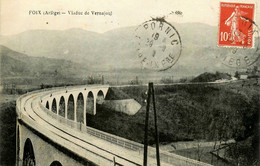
x: 7, y: 130
x: 15, y: 64
x: 191, y: 112
x: 187, y: 112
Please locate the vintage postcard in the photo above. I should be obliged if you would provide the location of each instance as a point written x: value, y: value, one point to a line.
x: 129, y: 83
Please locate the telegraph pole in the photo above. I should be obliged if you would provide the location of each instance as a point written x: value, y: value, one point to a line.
x: 156, y: 131
x: 151, y: 92
x: 146, y: 126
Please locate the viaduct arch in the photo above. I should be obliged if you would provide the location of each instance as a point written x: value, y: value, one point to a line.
x: 56, y: 163
x: 28, y: 154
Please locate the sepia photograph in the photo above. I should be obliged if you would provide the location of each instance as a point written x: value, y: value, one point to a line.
x: 129, y: 83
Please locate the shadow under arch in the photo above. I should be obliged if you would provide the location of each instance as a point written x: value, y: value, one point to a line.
x: 54, y: 106
x: 80, y: 108
x: 28, y: 154
x: 56, y: 163
x: 70, y: 113
x: 62, y: 106
x: 90, y: 103
x: 47, y: 105
x: 100, y: 97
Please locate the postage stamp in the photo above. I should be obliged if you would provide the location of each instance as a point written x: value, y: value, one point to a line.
x: 238, y: 38
x: 235, y: 26
x: 159, y: 44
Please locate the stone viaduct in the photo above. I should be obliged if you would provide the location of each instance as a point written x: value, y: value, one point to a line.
x: 52, y: 131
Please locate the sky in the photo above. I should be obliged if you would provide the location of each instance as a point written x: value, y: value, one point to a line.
x: 16, y: 18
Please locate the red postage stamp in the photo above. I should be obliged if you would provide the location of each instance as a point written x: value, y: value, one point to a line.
x: 236, y: 24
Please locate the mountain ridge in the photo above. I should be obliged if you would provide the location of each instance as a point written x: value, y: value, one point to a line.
x: 14, y: 63
x: 115, y: 49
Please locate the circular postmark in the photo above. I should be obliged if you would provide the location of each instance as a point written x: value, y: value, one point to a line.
x: 245, y: 56
x: 159, y: 44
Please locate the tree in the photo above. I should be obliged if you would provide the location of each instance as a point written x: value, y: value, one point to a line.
x: 237, y: 75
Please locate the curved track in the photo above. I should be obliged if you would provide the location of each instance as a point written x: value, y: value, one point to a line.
x: 87, y: 143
